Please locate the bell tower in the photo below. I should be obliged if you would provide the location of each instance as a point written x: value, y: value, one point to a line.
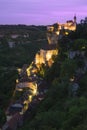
x: 74, y: 18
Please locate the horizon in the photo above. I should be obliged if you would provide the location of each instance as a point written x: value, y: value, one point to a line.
x: 39, y: 12
x: 26, y: 24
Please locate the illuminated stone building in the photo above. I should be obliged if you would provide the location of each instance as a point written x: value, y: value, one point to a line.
x: 44, y: 56
x: 57, y: 30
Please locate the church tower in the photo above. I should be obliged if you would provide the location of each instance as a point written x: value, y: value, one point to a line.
x: 75, y: 19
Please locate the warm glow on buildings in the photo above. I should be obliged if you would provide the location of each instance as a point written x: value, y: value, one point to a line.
x: 50, y: 28
x: 57, y: 32
x: 34, y: 70
x: 53, y: 32
x: 22, y: 85
x: 48, y: 56
x: 39, y: 58
x: 35, y: 90
x: 17, y: 81
x: 28, y: 72
x: 30, y: 98
x: 66, y: 33
x: 44, y: 56
x: 50, y: 53
x: 72, y: 28
x: 72, y: 79
x: 65, y: 27
x: 19, y: 70
x: 28, y: 69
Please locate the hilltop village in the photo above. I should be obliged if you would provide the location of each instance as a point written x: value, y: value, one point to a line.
x: 48, y: 87
x: 54, y: 33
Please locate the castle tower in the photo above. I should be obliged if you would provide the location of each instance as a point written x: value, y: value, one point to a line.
x: 75, y: 19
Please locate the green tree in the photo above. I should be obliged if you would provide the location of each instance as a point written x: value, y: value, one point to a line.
x: 2, y: 117
x: 68, y: 68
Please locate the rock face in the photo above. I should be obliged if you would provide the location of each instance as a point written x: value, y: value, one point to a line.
x: 75, y: 87
x: 45, y: 57
x: 52, y: 38
x: 11, y: 44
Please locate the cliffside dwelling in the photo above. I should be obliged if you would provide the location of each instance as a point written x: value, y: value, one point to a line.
x: 45, y: 55
x: 54, y: 32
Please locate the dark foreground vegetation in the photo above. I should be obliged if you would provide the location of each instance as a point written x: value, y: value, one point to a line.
x: 15, y: 57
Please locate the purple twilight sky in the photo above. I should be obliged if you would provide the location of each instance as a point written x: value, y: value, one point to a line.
x: 41, y: 12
